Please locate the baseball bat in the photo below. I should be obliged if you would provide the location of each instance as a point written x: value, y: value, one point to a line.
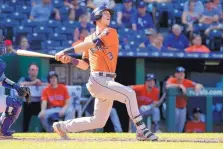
x: 33, y: 54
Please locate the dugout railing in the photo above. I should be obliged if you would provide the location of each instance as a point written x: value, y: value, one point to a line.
x: 208, y: 93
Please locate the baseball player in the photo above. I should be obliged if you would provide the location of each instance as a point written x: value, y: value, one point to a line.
x: 148, y: 99
x: 100, y: 52
x: 10, y: 107
x: 181, y: 82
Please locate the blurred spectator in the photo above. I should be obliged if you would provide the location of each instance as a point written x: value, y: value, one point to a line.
x: 34, y: 107
x: 211, y: 28
x: 84, y: 24
x: 196, y: 45
x: 210, y: 15
x: 176, y: 41
x: 24, y: 44
x: 179, y: 81
x: 55, y: 101
x: 198, y: 7
x: 75, y: 9
x: 150, y: 34
x: 125, y: 13
x: 83, y: 34
x: 43, y: 11
x: 97, y: 3
x: 157, y: 44
x: 9, y: 46
x: 190, y: 17
x: 148, y: 99
x: 195, y: 125
x: 218, y: 6
x: 35, y: 2
x: 142, y: 20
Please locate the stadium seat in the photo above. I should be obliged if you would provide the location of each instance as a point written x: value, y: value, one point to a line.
x: 64, y: 30
x: 15, y: 2
x: 175, y: 17
x: 36, y: 37
x: 50, y: 44
x: 3, y: 16
x: 139, y: 38
x: 179, y: 6
x: 161, y: 7
x: 133, y: 45
x: 29, y: 23
x: 67, y: 43
x: 19, y: 16
x: 9, y: 23
x: 58, y: 3
x: 126, y: 31
x: 200, y: 27
x: 53, y: 24
x: 35, y: 40
x: 64, y: 12
x: 214, y: 40
x: 71, y: 24
x: 23, y: 9
x: 6, y: 9
x: 57, y: 37
x: 22, y: 30
x: 43, y: 30
x: 114, y: 24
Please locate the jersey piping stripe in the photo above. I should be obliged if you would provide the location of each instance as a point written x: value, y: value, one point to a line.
x: 117, y: 92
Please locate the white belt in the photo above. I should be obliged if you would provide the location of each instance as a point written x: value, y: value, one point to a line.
x: 105, y: 74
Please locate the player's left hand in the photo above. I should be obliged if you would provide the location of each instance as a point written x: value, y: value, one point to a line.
x: 66, y: 59
x: 59, y: 55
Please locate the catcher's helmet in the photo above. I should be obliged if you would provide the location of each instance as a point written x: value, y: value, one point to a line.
x: 97, y: 12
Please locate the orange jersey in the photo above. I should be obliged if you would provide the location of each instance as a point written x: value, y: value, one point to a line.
x: 55, y: 97
x: 104, y: 59
x: 192, y: 126
x: 181, y: 101
x: 201, y: 48
x: 145, y: 97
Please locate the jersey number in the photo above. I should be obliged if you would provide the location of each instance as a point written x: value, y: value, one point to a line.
x: 110, y: 55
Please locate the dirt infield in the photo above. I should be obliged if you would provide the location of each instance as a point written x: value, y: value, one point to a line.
x: 112, y: 141
x: 198, y: 140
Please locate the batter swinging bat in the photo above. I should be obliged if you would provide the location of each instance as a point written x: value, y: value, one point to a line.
x: 33, y: 54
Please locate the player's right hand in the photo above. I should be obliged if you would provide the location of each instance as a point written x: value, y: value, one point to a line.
x: 41, y: 114
x: 66, y: 59
x: 59, y: 55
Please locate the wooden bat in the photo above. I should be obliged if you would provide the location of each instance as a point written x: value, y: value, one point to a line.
x: 33, y: 54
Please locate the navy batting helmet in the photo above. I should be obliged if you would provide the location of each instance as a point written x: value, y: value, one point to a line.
x: 51, y: 74
x: 97, y: 12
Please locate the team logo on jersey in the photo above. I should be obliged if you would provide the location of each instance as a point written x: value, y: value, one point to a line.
x: 105, y: 32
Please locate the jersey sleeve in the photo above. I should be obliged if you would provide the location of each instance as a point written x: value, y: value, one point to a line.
x: 109, y: 37
x: 44, y: 96
x: 136, y: 88
x: 170, y: 81
x: 190, y: 83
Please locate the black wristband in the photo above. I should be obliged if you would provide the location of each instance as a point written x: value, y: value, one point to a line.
x: 75, y: 62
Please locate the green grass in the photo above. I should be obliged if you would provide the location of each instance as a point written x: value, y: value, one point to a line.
x: 108, y: 141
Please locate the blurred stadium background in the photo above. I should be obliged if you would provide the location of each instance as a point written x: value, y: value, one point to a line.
x: 64, y: 26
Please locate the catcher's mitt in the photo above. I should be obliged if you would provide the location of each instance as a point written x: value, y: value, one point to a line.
x: 24, y: 92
